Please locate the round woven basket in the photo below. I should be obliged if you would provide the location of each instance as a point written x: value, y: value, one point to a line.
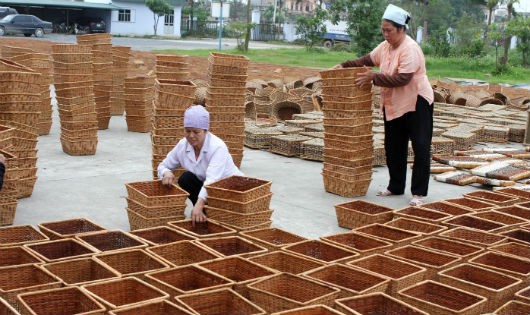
x: 250, y: 110
x: 285, y: 110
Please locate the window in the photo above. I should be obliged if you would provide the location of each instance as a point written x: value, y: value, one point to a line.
x: 307, y: 8
x: 124, y: 15
x: 169, y: 19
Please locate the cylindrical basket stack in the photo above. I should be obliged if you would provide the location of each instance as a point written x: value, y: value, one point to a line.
x: 172, y: 67
x: 172, y: 98
x: 20, y: 97
x: 239, y: 202
x: 74, y: 89
x: 151, y: 203
x: 138, y: 96
x: 41, y: 63
x: 225, y: 100
x: 348, y: 143
x: 120, y: 62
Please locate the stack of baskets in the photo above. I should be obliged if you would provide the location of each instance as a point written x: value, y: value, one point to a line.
x: 20, y: 97
x: 172, y: 98
x: 239, y: 202
x: 348, y: 143
x: 138, y: 96
x: 225, y: 100
x: 172, y: 67
x: 74, y: 89
x: 151, y: 203
x: 41, y: 63
x: 9, y: 193
x: 120, y: 62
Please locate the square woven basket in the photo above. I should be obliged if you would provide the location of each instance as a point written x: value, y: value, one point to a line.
x: 470, y: 204
x: 449, y: 246
x: 272, y: 238
x: 310, y: 310
x: 252, y: 206
x: 138, y: 221
x: 519, y: 210
x: 182, y: 253
x: 153, y: 308
x: 474, y: 223
x: 510, y: 265
x: 512, y: 248
x: 207, y: 229
x: 221, y: 301
x: 364, y: 244
x: 492, y: 197
x: 232, y: 246
x: 61, y: 249
x: 421, y: 214
x: 7, y: 309
x: 133, y: 262
x: 239, y: 188
x: 286, y: 262
x: 475, y: 237
x: 17, y: 256
x: 111, y: 240
x: 49, y: 301
x: 68, y: 228
x: 523, y: 295
x: 161, y: 235
x: 243, y: 220
x: 349, y: 280
x: 80, y: 271
x: 375, y: 303
x: 390, y: 234
x: 417, y: 226
x: 447, y: 208
x: 20, y: 235
x: 357, y: 213
x: 321, y: 251
x: 513, y: 307
x: 155, y: 194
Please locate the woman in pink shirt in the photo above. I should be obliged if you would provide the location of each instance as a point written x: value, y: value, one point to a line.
x: 406, y: 102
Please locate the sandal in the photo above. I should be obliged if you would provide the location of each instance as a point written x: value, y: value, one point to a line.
x: 384, y: 193
x: 416, y: 201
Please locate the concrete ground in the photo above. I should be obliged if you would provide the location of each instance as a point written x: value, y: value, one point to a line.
x: 94, y: 186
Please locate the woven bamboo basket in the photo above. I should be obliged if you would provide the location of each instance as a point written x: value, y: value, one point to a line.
x: 56, y: 250
x: 514, y: 192
x: 111, y: 240
x: 437, y: 298
x: 375, y: 303
x: 518, y: 235
x: 433, y: 261
x: 282, y: 261
x: 272, y: 238
x: 182, y: 253
x: 513, y: 307
x: 198, y: 230
x: 287, y: 291
x: 341, y: 73
x: 243, y: 220
x: 345, y: 188
x: 361, y: 243
x: 216, y: 58
x: 7, y: 309
x: 159, y: 235
x: 511, y: 265
x: 138, y: 123
x: 358, y: 213
x: 49, y: 301
x: 232, y: 246
x: 349, y: 280
x: 79, y: 147
x: 310, y: 310
x: 447, y: 208
x: 321, y: 251
x: 8, y: 209
x: 470, y: 204
x: 509, y: 220
x: 443, y: 245
x: 152, y: 308
x: 523, y: 295
x: 124, y: 292
x: 153, y: 193
x: 239, y: 188
x: 28, y: 278
x: 362, y: 153
x: 76, y: 272
x: 390, y: 234
x: 492, y: 197
x: 20, y: 235
x: 138, y: 221
x: 420, y: 214
x: 68, y: 228
x: 497, y: 287
x: 219, y: 301
x: 475, y: 237
x: 474, y: 223
x: 519, y: 210
x: 412, y: 225
x: 515, y: 249
x: 17, y: 256
x: 187, y: 280
x: 401, y: 273
x: 134, y: 262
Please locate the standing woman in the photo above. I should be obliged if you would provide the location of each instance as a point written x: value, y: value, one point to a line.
x: 203, y: 155
x: 406, y: 102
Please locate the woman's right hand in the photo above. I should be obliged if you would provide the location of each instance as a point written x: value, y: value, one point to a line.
x: 338, y: 66
x: 168, y: 178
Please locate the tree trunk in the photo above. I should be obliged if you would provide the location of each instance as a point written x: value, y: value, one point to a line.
x: 247, y: 33
x: 155, y: 23
x: 424, y: 31
x: 508, y: 38
x: 488, y: 25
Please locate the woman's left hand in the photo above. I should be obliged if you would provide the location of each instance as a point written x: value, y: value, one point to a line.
x: 197, y: 213
x: 365, y: 78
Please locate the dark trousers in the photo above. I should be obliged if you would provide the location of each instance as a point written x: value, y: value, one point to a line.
x: 416, y: 126
x: 190, y: 183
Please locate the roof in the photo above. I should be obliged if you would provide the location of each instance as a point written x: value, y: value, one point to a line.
x: 59, y: 3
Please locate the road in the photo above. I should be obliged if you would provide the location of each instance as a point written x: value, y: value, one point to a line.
x: 150, y: 44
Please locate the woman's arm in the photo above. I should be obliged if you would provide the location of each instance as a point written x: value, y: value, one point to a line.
x: 359, y: 62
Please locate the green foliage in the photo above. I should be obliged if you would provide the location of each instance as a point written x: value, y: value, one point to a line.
x: 268, y: 14
x: 468, y: 37
x: 199, y: 12
x: 440, y: 45
x: 159, y: 8
x: 341, y: 46
x: 312, y: 28
x: 238, y: 31
x: 520, y: 27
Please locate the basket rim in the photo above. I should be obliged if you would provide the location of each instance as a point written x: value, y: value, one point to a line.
x: 419, y: 269
x: 384, y: 295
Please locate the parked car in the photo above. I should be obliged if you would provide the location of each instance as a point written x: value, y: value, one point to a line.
x: 4, y: 11
x: 92, y: 24
x: 24, y: 24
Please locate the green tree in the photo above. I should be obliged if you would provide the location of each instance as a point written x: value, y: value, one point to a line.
x: 268, y: 14
x: 159, y: 8
x: 312, y: 28
x: 508, y: 38
x: 520, y: 27
x: 490, y: 4
x: 468, y: 37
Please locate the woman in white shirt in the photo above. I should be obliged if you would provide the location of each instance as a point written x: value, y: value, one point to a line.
x: 203, y: 155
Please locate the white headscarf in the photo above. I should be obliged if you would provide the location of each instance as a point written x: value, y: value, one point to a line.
x: 396, y: 14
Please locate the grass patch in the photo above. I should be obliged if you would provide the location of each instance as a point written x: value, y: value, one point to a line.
x: 482, y: 68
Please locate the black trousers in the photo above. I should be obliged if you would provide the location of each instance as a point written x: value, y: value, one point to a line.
x: 190, y: 183
x: 417, y: 127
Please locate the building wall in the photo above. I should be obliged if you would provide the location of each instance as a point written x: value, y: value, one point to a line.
x: 142, y: 21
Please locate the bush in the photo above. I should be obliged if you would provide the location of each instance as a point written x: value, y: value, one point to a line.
x: 341, y: 46
x: 427, y: 49
x: 474, y: 49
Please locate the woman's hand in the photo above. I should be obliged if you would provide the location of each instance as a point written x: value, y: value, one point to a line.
x: 169, y: 178
x: 365, y: 78
x: 197, y: 213
x: 339, y: 66
x: 2, y: 159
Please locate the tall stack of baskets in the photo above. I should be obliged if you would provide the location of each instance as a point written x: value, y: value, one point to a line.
x: 172, y: 67
x: 74, y: 89
x: 348, y: 143
x: 9, y: 192
x: 241, y: 203
x: 20, y: 97
x: 102, y: 70
x: 150, y: 203
x: 120, y: 62
x: 225, y: 100
x: 172, y: 98
x: 138, y: 95
x: 41, y: 63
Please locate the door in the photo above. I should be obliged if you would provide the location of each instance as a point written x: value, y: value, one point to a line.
x: 169, y: 22
x: 23, y: 24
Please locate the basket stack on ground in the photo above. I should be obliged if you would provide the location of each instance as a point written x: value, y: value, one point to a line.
x: 138, y: 94
x: 41, y: 63
x: 150, y: 203
x: 120, y: 63
x: 20, y: 95
x: 172, y: 98
x: 9, y: 192
x: 74, y: 90
x: 172, y: 67
x: 242, y: 203
x: 348, y: 143
x: 225, y: 100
